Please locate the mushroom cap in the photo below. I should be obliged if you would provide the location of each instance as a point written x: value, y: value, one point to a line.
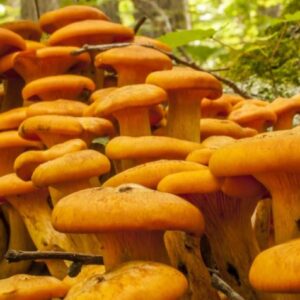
x: 217, y: 141
x: 29, y: 287
x: 248, y: 112
x: 12, y: 185
x: 200, y: 156
x: 133, y: 56
x: 152, y: 147
x: 12, y: 118
x: 204, y: 182
x: 133, y: 280
x: 77, y: 165
x: 219, y: 108
x: 210, y: 127
x: 145, y: 40
x: 57, y: 107
x: 55, y: 19
x: 136, y: 95
x: 48, y: 61
x: 127, y: 207
x: 90, y: 32
x: 276, y: 269
x: 10, y: 139
x: 27, y: 29
x: 56, y: 87
x: 27, y: 162
x: 232, y: 98
x: 283, y: 105
x: 190, y: 182
x: 86, y: 271
x: 98, y: 95
x: 266, y: 152
x: 149, y: 174
x: 10, y: 42
x: 203, y: 83
x: 65, y: 125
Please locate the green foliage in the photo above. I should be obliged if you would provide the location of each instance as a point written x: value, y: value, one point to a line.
x: 183, y: 37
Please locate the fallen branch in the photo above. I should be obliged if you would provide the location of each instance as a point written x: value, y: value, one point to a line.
x: 219, y: 284
x: 139, y: 24
x: 18, y: 255
x: 178, y: 60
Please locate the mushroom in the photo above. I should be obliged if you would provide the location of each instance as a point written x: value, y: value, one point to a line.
x: 31, y: 203
x: 272, y: 158
x: 71, y: 87
x: 27, y: 29
x: 49, y: 61
x: 10, y: 42
x: 130, y: 219
x: 285, y: 109
x: 91, y: 32
x: 219, y: 108
x: 186, y: 88
x: 55, y: 129
x: 58, y: 18
x: 210, y: 127
x: 130, y: 106
x: 133, y: 280
x: 136, y: 150
x: 11, y: 119
x: 56, y: 107
x: 27, y: 162
x: 30, y: 287
x: 12, y: 145
x: 275, y: 270
x: 145, y: 40
x: 227, y: 205
x: 253, y: 113
x: 133, y: 63
x: 18, y: 240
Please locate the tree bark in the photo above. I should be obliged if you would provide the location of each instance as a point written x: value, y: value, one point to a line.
x: 164, y: 15
x: 111, y: 8
x: 32, y: 9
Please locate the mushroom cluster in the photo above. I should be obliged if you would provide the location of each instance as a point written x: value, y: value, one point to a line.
x: 157, y: 170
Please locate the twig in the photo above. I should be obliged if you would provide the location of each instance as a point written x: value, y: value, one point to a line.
x: 18, y: 255
x: 219, y: 284
x: 139, y: 24
x: 232, y: 85
x: 37, y: 8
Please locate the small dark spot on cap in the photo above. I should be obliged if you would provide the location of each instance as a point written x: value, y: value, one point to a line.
x: 125, y: 189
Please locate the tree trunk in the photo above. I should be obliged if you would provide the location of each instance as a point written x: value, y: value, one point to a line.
x: 111, y: 8
x: 32, y: 9
x: 164, y: 15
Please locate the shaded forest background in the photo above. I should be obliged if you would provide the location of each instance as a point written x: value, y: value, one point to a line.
x: 252, y: 43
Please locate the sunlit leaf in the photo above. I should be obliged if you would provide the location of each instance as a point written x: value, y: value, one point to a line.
x: 183, y: 37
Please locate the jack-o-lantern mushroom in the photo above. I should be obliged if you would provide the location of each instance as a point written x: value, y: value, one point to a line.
x: 275, y: 270
x: 133, y: 280
x: 186, y: 88
x: 273, y: 159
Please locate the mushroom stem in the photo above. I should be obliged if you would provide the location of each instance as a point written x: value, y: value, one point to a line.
x: 184, y: 116
x: 284, y: 121
x: 60, y: 190
x: 284, y: 188
x: 133, y: 122
x: 13, y: 93
x: 86, y: 243
x: 97, y: 75
x: 52, y: 139
x: 260, y: 125
x: 129, y: 76
x: 44, y: 236
x: 8, y: 156
x: 120, y: 247
x: 185, y: 255
x: 228, y: 227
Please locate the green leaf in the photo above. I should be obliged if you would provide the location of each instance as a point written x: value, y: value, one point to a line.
x: 101, y: 141
x: 293, y: 17
x: 183, y: 37
x: 201, y: 53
